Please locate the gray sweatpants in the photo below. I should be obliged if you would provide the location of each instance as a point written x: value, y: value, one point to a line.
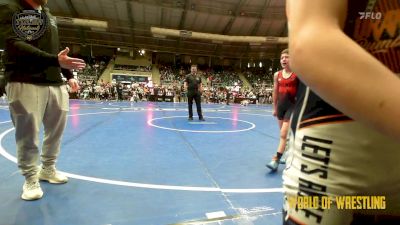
x: 30, y: 106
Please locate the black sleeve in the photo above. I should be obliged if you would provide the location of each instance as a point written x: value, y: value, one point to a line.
x: 67, y: 73
x: 19, y: 48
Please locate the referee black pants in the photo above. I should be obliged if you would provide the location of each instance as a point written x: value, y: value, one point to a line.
x: 197, y: 98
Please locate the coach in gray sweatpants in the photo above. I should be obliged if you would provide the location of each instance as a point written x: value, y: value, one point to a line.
x: 34, y: 66
x: 30, y: 106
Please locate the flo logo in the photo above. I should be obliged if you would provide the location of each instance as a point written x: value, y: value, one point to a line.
x: 370, y: 15
x: 29, y: 24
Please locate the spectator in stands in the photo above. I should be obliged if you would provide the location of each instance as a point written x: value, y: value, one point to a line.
x: 177, y: 91
x: 194, y: 90
x: 183, y: 93
x: 120, y: 89
x: 270, y: 100
x: 228, y: 95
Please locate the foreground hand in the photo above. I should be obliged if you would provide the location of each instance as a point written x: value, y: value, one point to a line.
x: 70, y: 63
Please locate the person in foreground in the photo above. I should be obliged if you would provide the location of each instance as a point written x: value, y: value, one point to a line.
x: 345, y: 135
x: 36, y: 92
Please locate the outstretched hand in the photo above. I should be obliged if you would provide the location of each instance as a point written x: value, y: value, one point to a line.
x: 70, y: 63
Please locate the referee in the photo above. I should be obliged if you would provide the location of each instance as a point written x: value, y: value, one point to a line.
x: 194, y: 90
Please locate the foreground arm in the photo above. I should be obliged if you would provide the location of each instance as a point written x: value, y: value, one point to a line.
x: 338, y: 69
